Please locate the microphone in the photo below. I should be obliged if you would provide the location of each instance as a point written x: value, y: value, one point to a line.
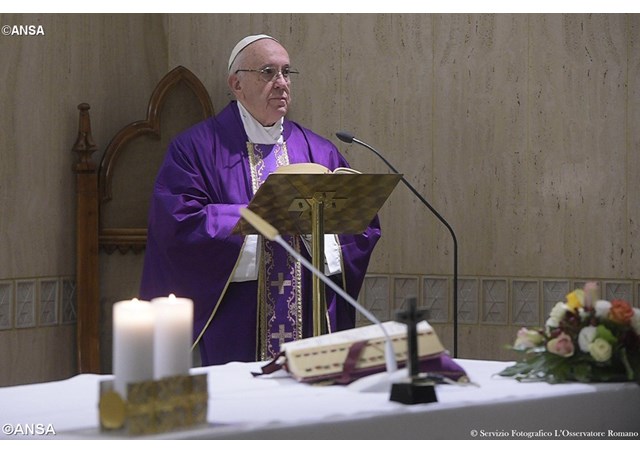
x: 271, y: 233
x: 348, y: 137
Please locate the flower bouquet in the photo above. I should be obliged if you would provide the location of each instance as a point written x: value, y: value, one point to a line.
x: 585, y: 339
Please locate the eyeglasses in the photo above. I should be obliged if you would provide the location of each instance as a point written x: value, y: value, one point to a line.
x: 271, y: 73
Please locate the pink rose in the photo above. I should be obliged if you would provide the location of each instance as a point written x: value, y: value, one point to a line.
x: 591, y: 294
x: 561, y: 345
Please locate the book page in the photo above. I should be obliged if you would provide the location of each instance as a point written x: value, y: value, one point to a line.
x: 347, y: 171
x: 372, y: 332
x: 313, y: 168
x: 303, y: 168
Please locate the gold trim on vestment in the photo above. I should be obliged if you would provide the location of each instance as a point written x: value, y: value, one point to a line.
x: 264, y: 300
x: 224, y: 291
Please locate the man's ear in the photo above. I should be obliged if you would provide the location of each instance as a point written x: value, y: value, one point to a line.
x: 234, y: 84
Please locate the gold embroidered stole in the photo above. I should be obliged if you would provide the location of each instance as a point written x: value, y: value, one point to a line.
x: 279, y: 274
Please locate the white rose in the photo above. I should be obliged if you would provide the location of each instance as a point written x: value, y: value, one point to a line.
x: 557, y: 312
x: 586, y: 337
x: 550, y: 324
x: 602, y: 309
x: 635, y: 321
x: 600, y: 350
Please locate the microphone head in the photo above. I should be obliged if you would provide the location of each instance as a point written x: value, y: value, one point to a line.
x: 346, y: 137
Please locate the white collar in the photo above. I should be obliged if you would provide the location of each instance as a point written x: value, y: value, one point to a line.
x: 258, y: 133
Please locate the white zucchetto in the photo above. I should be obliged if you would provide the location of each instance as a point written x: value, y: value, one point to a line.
x: 244, y: 43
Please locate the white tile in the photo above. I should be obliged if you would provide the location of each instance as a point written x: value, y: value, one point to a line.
x: 25, y: 303
x: 403, y: 288
x: 525, y: 302
x: 618, y: 290
x: 494, y: 302
x: 468, y: 300
x: 68, y: 301
x: 49, y: 302
x: 375, y: 298
x: 435, y: 294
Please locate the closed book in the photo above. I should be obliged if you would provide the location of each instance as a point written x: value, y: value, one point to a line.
x: 342, y: 357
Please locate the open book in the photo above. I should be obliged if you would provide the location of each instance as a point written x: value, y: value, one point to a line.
x: 350, y: 200
x: 345, y: 356
x: 313, y: 168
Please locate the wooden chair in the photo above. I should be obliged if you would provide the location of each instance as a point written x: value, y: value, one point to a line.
x: 112, y: 205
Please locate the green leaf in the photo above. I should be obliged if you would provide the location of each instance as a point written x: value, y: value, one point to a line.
x: 627, y: 365
x: 582, y: 372
x: 605, y: 334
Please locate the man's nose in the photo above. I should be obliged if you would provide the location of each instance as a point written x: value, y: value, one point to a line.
x: 280, y: 80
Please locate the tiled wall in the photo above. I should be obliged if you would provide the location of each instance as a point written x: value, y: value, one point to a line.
x: 37, y: 302
x: 37, y: 329
x: 499, y: 303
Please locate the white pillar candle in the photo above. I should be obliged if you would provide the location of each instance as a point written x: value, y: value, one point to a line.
x: 133, y: 326
x: 173, y: 336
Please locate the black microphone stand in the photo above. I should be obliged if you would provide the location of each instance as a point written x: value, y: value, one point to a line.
x: 348, y: 138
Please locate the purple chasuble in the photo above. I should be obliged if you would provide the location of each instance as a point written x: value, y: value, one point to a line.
x: 203, y: 182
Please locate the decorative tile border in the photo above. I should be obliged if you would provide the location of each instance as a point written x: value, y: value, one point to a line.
x: 468, y: 300
x: 375, y: 297
x: 435, y: 298
x: 25, y: 303
x: 49, y: 302
x: 37, y: 302
x: 68, y: 300
x: 495, y: 302
x: 403, y: 288
x: 482, y: 300
x: 618, y: 290
x: 525, y: 302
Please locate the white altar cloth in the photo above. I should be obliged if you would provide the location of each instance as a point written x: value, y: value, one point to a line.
x: 277, y: 407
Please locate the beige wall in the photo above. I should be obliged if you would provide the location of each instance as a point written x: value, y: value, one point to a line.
x: 111, y: 62
x: 519, y: 130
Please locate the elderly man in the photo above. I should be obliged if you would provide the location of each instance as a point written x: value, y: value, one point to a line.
x: 249, y: 295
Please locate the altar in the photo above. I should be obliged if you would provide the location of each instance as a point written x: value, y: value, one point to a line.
x: 242, y: 406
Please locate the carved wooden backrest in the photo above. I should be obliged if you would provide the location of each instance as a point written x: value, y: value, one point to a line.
x: 113, y: 202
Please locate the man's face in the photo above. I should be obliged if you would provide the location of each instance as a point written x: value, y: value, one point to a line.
x: 266, y: 101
